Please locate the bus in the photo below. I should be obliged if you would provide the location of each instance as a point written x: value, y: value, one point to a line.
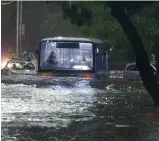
x: 73, y: 57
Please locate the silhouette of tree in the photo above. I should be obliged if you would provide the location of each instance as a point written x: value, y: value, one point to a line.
x: 121, y: 11
x: 142, y: 62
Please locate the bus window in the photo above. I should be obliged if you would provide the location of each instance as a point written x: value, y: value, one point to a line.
x: 62, y: 55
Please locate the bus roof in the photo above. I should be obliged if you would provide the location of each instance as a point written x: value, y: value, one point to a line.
x: 78, y: 39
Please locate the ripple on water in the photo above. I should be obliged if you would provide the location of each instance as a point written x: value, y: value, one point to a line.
x: 20, y: 102
x: 55, y: 108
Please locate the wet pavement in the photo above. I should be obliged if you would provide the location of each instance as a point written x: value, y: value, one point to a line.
x: 42, y: 109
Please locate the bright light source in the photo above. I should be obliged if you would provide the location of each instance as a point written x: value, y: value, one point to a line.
x: 79, y: 67
x: 3, y: 63
x: 111, y: 48
x: 97, y: 50
x: 9, y: 65
x: 71, y: 60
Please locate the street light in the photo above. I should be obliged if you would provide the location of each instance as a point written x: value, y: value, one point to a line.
x: 20, y: 36
x: 20, y: 28
x: 17, y: 33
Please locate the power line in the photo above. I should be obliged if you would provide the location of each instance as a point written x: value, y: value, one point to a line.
x: 6, y: 3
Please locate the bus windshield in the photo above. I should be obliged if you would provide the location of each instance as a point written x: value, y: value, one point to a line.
x: 66, y: 56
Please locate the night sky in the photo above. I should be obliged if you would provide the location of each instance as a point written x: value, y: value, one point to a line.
x: 34, y: 14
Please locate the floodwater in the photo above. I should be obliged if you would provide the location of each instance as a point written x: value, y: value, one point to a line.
x: 43, y: 109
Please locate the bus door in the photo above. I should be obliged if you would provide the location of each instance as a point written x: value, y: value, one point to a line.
x: 101, y: 66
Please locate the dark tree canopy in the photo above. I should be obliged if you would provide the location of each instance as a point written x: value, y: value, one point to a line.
x: 121, y: 11
x: 80, y: 15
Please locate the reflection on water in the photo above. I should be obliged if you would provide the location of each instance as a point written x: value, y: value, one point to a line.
x: 76, y: 110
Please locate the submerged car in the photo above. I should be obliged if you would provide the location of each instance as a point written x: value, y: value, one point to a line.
x: 131, y: 72
x: 19, y: 67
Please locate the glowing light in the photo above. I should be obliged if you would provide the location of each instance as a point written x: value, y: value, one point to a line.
x: 71, y: 60
x: 9, y: 65
x: 81, y: 67
x: 3, y: 63
x: 97, y: 50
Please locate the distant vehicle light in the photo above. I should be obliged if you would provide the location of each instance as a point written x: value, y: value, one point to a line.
x: 3, y: 63
x: 9, y: 65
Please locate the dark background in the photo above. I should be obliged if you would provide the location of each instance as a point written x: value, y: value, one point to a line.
x: 34, y: 14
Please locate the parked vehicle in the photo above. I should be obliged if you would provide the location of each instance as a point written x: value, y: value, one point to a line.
x: 131, y: 72
x: 19, y: 67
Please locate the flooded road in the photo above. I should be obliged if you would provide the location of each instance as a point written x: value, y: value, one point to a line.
x: 42, y: 109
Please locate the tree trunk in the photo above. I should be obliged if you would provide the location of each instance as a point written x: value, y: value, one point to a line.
x: 156, y: 52
x: 142, y: 61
